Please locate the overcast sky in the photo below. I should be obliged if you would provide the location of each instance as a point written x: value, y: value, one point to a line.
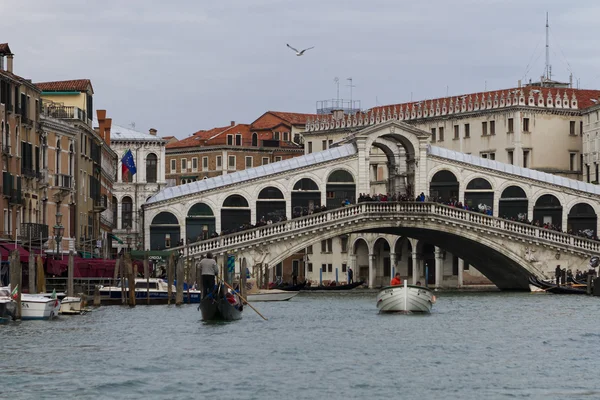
x: 184, y: 65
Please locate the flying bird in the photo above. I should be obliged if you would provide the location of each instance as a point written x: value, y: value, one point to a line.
x: 299, y: 53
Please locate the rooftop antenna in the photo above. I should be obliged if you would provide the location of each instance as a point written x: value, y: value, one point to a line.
x: 132, y: 125
x: 337, y: 82
x: 350, y: 85
x: 548, y: 67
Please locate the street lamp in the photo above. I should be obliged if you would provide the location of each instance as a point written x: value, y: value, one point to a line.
x: 59, y: 230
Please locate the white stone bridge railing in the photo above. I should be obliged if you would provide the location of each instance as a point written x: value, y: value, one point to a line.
x: 365, y: 211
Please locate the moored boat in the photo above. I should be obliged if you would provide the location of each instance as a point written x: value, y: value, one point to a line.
x: 348, y: 286
x: 7, y: 305
x: 35, y: 306
x: 221, y: 305
x: 270, y: 295
x: 155, y: 288
x: 407, y: 298
x: 71, y: 305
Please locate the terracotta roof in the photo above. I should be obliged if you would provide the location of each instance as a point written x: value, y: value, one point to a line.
x: 4, y: 49
x: 584, y: 98
x: 271, y: 119
x: 21, y: 80
x: 80, y: 85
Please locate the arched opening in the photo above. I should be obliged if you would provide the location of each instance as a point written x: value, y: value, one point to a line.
x: 7, y: 138
x: 305, y: 197
x: 548, y: 210
x: 361, y: 252
x: 200, y: 223
x: 444, y: 186
x: 270, y: 205
x: 126, y: 213
x: 392, y: 165
x: 254, y: 139
x: 164, y: 231
x: 340, y: 188
x: 57, y: 160
x: 513, y: 204
x: 235, y: 214
x: 383, y: 267
x: 582, y: 220
x: 479, y: 195
x: 151, y: 168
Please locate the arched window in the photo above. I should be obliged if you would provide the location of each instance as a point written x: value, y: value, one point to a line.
x: 57, y: 168
x: 254, y: 139
x: 17, y: 141
x: 151, y: 166
x: 7, y: 138
x: 127, y: 213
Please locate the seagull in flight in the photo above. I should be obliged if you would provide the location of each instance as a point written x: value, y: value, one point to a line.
x: 299, y: 53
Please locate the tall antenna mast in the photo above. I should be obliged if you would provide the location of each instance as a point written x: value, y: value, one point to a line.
x: 350, y: 85
x: 548, y: 68
x: 337, y: 82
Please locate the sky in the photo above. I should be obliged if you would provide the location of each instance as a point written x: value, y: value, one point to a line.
x: 180, y: 66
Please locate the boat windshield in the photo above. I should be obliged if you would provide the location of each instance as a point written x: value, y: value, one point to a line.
x: 146, y: 285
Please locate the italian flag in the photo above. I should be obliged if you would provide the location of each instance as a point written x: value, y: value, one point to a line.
x: 15, y: 293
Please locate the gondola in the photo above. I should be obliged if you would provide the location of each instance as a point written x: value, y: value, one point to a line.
x: 292, y: 288
x: 553, y: 288
x: 221, y: 305
x: 349, y: 286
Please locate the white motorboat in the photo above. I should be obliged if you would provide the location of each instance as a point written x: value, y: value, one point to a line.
x: 270, y: 295
x: 7, y: 305
x: 71, y: 305
x: 156, y: 288
x: 37, y: 306
x: 406, y: 299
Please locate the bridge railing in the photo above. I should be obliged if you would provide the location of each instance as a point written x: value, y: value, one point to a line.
x: 368, y: 210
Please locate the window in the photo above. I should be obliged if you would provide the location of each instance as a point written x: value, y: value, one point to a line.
x: 580, y: 128
x: 433, y: 135
x: 492, y: 127
x: 488, y: 155
x: 587, y: 173
x: 230, y: 140
x: 572, y: 161
x: 492, y: 156
x: 310, y: 267
x: 204, y: 163
x: 265, y: 160
x: 195, y: 164
x: 596, y: 176
x: 441, y: 134
x: 323, y: 246
x: 238, y: 139
x: 572, y: 129
x: 126, y: 213
x: 309, y: 249
x: 173, y: 166
x: 511, y: 125
x: 329, y: 143
x: 467, y: 131
x: 276, y: 136
x: 309, y: 147
x: 343, y: 267
x: 151, y: 167
x: 231, y: 162
x: 525, y: 124
x: 277, y: 158
x: 510, y: 157
x: 183, y: 164
x: 324, y: 267
x: 525, y: 158
x: 324, y: 145
x: 484, y: 130
x: 248, y: 162
x: 330, y: 195
x: 456, y: 132
x: 286, y: 136
x: 329, y: 267
x: 254, y: 139
x: 219, y: 162
x: 344, y: 243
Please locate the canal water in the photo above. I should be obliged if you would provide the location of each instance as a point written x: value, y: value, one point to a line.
x: 330, y: 346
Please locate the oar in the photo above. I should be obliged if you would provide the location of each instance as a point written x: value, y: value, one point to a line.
x: 246, y: 301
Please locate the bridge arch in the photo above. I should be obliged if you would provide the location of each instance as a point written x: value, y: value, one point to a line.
x: 361, y: 251
x: 582, y: 219
x: 383, y: 268
x: 270, y: 204
x: 513, y: 203
x: 340, y: 186
x: 548, y: 209
x: 479, y: 191
x: 200, y: 222
x: 235, y: 213
x: 306, y: 195
x: 444, y: 185
x: 165, y: 231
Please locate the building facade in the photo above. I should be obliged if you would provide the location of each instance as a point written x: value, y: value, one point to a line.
x: 130, y: 192
x: 108, y: 177
x: 591, y: 143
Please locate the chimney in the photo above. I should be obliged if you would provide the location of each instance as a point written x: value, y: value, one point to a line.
x: 101, y: 116
x: 107, y: 130
x: 519, y: 83
x: 9, y: 63
x: 232, y: 123
x: 153, y: 131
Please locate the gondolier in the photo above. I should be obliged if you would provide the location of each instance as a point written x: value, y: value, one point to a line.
x: 209, y: 269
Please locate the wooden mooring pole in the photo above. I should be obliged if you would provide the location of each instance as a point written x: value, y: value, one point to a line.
x: 70, y: 273
x: 16, y: 275
x: 130, y: 279
x: 170, y: 277
x: 180, y: 279
x: 31, y: 265
x: 147, y: 277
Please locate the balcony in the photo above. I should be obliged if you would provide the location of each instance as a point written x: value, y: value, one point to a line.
x: 30, y: 173
x: 6, y: 149
x: 26, y: 121
x: 32, y: 231
x: 65, y: 112
x: 63, y: 181
x: 9, y: 108
x: 100, y: 204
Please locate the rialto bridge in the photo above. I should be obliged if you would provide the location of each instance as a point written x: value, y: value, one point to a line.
x: 377, y: 238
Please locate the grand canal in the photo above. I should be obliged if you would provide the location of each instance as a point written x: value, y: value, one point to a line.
x: 333, y: 346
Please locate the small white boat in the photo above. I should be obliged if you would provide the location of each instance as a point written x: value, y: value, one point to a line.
x: 156, y: 288
x: 36, y: 306
x: 406, y: 299
x: 70, y: 305
x: 7, y: 305
x: 536, y: 289
x: 270, y: 295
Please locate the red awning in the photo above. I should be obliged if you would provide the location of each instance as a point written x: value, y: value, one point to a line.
x: 23, y: 253
x: 85, y: 267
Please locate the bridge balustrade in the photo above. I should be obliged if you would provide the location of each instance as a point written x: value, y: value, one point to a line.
x: 370, y: 210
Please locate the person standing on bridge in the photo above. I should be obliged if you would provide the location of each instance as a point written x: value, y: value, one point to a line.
x: 209, y: 269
